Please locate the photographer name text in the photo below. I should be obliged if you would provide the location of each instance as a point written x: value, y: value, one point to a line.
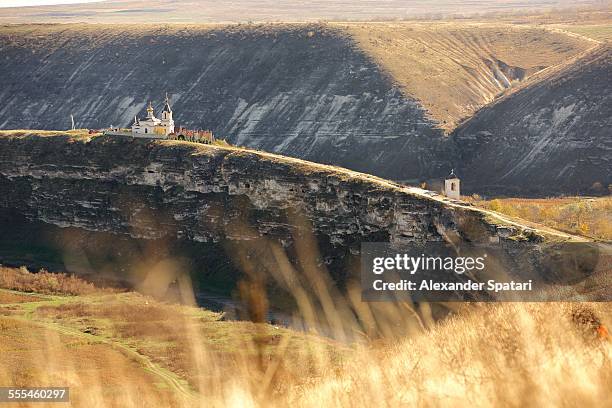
x: 430, y: 285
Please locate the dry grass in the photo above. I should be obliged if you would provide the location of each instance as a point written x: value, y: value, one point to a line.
x: 514, y: 354
x: 600, y: 32
x: 44, y: 282
x: 590, y: 217
x: 167, y: 333
x: 444, y: 65
x: 486, y: 355
x: 499, y: 355
x: 12, y: 297
x: 78, y: 134
x: 97, y: 374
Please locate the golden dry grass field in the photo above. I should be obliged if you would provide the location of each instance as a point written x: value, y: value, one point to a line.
x: 587, y: 216
x: 121, y: 349
x: 454, y: 69
x: 118, y: 349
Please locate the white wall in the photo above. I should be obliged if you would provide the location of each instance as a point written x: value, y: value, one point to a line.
x: 452, y: 188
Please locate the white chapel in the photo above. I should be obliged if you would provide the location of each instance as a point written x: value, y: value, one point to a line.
x: 451, y: 186
x: 152, y: 127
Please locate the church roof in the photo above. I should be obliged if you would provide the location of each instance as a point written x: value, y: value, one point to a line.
x: 452, y: 175
x: 167, y: 105
x: 149, y: 121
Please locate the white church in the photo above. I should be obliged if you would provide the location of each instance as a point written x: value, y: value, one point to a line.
x: 152, y: 127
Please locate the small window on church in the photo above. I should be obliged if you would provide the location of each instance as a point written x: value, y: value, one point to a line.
x: 146, y: 130
x: 452, y: 186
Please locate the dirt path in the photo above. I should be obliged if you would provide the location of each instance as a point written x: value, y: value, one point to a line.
x: 173, y: 381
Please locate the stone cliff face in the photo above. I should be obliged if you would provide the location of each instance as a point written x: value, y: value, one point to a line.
x: 178, y: 192
x: 304, y: 90
x: 103, y: 184
x: 551, y: 137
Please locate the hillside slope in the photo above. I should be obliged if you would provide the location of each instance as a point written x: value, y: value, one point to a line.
x: 372, y: 97
x: 304, y: 91
x: 454, y: 69
x: 164, y: 355
x: 550, y: 137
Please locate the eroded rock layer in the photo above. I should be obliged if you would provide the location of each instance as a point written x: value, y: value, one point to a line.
x: 232, y: 204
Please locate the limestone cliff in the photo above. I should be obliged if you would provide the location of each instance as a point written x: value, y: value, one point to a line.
x: 224, y: 199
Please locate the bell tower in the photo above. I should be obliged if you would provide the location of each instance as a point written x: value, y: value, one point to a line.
x: 166, y: 117
x: 451, y: 186
x: 167, y: 111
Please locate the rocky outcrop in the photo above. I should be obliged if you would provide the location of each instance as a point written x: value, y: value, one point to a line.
x: 193, y: 195
x: 551, y: 137
x: 105, y: 183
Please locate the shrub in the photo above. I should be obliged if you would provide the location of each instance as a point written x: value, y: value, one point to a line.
x: 579, y: 215
x: 44, y: 282
x: 221, y: 142
x: 597, y: 187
